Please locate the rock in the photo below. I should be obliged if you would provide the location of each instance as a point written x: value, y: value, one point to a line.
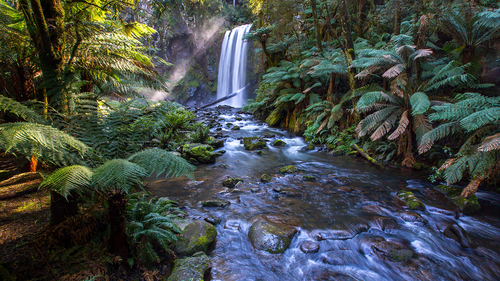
x: 309, y: 178
x: 457, y: 233
x: 393, y: 251
x: 273, y: 238
x: 260, y: 152
x: 385, y: 223
x: 213, y: 220
x: 340, y: 232
x: 237, y: 191
x: 323, y: 274
x: 289, y: 169
x: 278, y: 143
x: 339, y: 257
x: 232, y: 224
x: 231, y: 182
x: 235, y: 128
x: 265, y: 178
x: 289, y: 193
x: 254, y: 190
x: 418, y: 166
x: 310, y: 146
x: 224, y: 166
x: 410, y: 200
x: 253, y: 143
x: 309, y: 247
x: 412, y: 217
x: 229, y: 124
x: 193, y: 268
x: 200, y: 153
x: 196, y: 237
x: 268, y: 136
x: 238, y: 118
x: 215, y: 203
x: 467, y: 205
x: 215, y: 143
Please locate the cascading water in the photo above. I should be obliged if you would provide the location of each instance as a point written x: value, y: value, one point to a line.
x: 232, y: 66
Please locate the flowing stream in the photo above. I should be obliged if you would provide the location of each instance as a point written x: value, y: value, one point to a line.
x: 348, y: 209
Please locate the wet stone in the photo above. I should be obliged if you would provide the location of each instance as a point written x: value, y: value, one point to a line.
x: 192, y: 268
x: 339, y: 257
x: 265, y: 178
x: 289, y: 169
x: 343, y: 232
x: 309, y: 247
x: 213, y: 220
x: 457, y: 233
x: 254, y: 189
x: 196, y: 236
x: 235, y: 128
x: 393, y: 251
x: 412, y: 217
x: 309, y: 178
x: 409, y: 200
x: 270, y: 237
x: 254, y: 143
x: 215, y: 203
x: 231, y: 182
x: 278, y: 143
x: 467, y: 205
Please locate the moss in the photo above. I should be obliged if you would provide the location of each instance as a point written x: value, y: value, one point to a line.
x: 231, y: 182
x: 410, y: 200
x: 275, y: 117
x: 278, y: 143
x: 235, y: 128
x: 289, y: 169
x: 309, y: 178
x: 466, y: 205
x: 418, y: 166
x: 265, y: 178
x: 238, y: 118
x: 253, y: 143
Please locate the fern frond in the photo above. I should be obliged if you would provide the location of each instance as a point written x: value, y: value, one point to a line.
x: 374, y: 97
x: 490, y: 143
x: 160, y: 161
x: 386, y: 126
x: 17, y: 108
x: 373, y: 120
x: 68, y: 179
x: 118, y: 174
x: 403, y: 124
x: 455, y: 171
x: 478, y: 119
x: 437, y: 133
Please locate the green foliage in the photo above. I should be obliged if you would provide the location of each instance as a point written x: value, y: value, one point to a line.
x: 150, y: 227
x: 68, y: 179
x: 160, y: 161
x: 20, y: 110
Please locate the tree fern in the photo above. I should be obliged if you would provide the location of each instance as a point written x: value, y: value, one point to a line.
x: 19, y: 109
x: 160, y: 161
x: 118, y: 175
x: 65, y: 180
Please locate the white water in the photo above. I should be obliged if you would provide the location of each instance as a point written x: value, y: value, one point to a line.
x: 232, y: 66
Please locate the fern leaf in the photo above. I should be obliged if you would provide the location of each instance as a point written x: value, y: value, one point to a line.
x: 490, y: 143
x: 394, y: 71
x: 437, y: 133
x: 118, y: 174
x: 455, y: 171
x: 68, y: 179
x: 403, y: 124
x: 419, y: 103
x: 160, y: 161
x: 386, y: 126
x: 481, y: 118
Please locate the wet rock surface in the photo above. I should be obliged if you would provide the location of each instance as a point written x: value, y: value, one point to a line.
x: 196, y: 237
x: 192, y: 268
x: 271, y: 237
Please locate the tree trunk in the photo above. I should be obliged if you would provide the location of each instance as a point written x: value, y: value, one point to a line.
x: 360, y: 15
x: 316, y: 25
x: 118, y: 244
x: 467, y: 54
x: 472, y: 187
x: 62, y: 209
x: 397, y: 17
x: 33, y: 163
x: 349, y: 52
x: 331, y: 94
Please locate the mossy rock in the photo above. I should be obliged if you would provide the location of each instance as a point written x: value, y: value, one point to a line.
x: 254, y: 143
x: 290, y: 169
x: 275, y: 117
x: 231, y: 182
x: 410, y: 200
x: 235, y: 128
x: 393, y: 251
x: 193, y: 268
x: 309, y: 146
x: 467, y: 205
x: 418, y: 166
x: 270, y: 237
x: 196, y: 237
x: 278, y: 143
x: 457, y: 233
x: 215, y: 143
x: 238, y: 118
x: 217, y: 203
x: 265, y: 178
x: 260, y: 152
x: 309, y: 178
x: 199, y: 153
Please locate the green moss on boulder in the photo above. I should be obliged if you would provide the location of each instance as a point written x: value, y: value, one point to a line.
x: 270, y: 237
x: 265, y: 178
x: 278, y: 143
x: 193, y: 268
x: 196, y: 237
x: 410, y: 200
x: 199, y: 153
x: 290, y: 169
x: 466, y: 205
x: 253, y: 143
x: 231, y: 182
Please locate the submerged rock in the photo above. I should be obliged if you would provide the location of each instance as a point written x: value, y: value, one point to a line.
x: 213, y: 219
x: 273, y: 238
x: 193, y: 268
x: 309, y: 146
x: 265, y: 178
x: 309, y: 247
x: 466, y: 205
x: 339, y: 257
x: 215, y: 143
x: 340, y: 232
x: 278, y: 143
x: 290, y: 169
x: 231, y: 182
x: 410, y: 200
x: 393, y: 251
x: 196, y: 237
x: 253, y: 143
x: 457, y: 233
x: 309, y: 178
x: 215, y: 203
x: 199, y: 153
x: 235, y: 128
x: 412, y: 217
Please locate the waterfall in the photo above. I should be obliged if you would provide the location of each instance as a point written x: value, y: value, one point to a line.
x: 232, y: 66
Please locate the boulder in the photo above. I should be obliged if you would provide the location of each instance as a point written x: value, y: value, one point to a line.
x: 193, y: 268
x: 457, y: 233
x: 467, y: 205
x: 215, y: 203
x: 265, y: 178
x: 309, y: 146
x: 340, y: 231
x: 271, y: 237
x: 254, y: 143
x: 196, y: 237
x: 412, y: 217
x: 410, y: 201
x: 213, y: 219
x: 309, y: 247
x: 309, y: 178
x: 231, y: 182
x: 235, y: 128
x: 278, y: 143
x: 215, y: 143
x: 290, y: 169
x: 339, y: 257
x: 393, y: 251
x: 198, y: 153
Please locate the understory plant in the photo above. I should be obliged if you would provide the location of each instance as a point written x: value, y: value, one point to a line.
x: 150, y: 228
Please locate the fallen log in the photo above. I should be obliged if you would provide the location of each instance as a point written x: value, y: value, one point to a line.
x: 225, y: 98
x: 366, y: 156
x: 25, y: 188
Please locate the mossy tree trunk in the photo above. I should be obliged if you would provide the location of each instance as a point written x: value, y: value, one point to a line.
x: 349, y: 52
x: 316, y: 25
